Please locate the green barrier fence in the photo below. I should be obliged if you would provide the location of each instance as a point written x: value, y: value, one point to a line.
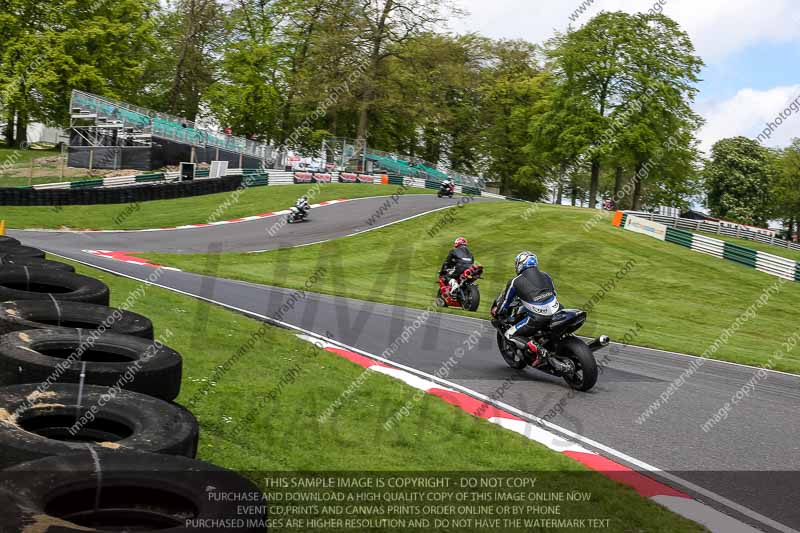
x: 740, y: 254
x: 84, y: 184
x: 148, y: 177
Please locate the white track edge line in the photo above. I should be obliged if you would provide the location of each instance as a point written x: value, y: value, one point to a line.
x: 356, y: 233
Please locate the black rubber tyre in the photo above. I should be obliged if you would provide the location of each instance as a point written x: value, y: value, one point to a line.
x: 138, y: 492
x: 17, y: 250
x: 585, y: 365
x: 5, y: 240
x: 19, y: 315
x: 30, y: 283
x: 473, y: 295
x: 440, y: 299
x: 508, y: 354
x: 34, y: 356
x: 12, y: 260
x: 59, y: 424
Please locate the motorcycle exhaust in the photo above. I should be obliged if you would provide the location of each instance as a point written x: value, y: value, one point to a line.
x: 600, y: 342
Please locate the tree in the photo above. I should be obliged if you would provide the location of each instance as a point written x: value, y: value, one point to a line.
x: 100, y: 47
x: 513, y: 89
x: 387, y: 24
x: 738, y: 178
x: 624, y: 86
x: 786, y: 187
x: 190, y: 33
x: 23, y: 24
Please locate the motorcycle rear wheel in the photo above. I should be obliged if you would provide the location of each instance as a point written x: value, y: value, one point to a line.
x: 439, y: 299
x: 509, y: 353
x: 585, y: 375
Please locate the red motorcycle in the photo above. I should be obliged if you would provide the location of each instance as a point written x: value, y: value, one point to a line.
x: 465, y: 294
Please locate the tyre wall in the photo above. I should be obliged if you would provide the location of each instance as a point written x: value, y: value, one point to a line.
x: 117, y: 195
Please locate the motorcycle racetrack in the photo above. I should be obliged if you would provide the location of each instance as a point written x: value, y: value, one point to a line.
x: 746, y: 466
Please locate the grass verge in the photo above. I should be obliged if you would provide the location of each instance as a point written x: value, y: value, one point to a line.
x: 244, y: 431
x: 194, y: 210
x: 14, y: 167
x: 682, y: 299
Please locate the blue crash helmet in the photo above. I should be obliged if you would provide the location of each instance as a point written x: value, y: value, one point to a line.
x: 524, y: 261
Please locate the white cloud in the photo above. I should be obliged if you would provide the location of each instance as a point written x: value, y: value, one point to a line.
x: 718, y: 28
x: 747, y: 113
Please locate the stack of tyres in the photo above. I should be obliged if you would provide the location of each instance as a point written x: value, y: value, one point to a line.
x: 16, y: 260
x: 38, y: 283
x: 19, y: 250
x: 84, y: 389
x: 139, y: 492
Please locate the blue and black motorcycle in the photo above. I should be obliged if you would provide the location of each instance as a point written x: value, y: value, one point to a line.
x: 554, y: 348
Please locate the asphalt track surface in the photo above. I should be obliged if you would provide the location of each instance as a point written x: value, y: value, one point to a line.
x: 325, y: 222
x: 751, y: 459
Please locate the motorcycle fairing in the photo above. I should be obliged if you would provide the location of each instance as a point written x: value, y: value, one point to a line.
x: 547, y: 308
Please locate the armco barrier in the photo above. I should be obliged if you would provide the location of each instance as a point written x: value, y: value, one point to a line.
x: 161, y: 186
x: 355, y: 177
x: 728, y: 229
x: 774, y: 265
x: 117, y: 195
x: 86, y: 183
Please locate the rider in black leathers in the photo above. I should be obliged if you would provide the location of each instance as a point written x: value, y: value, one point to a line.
x: 458, y: 260
x: 536, y: 293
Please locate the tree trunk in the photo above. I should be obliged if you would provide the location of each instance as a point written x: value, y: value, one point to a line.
x: 375, y: 61
x: 560, y: 192
x: 618, y: 183
x: 22, y: 130
x: 594, y: 185
x: 9, y: 128
x: 637, y: 188
x: 573, y: 194
x: 298, y: 61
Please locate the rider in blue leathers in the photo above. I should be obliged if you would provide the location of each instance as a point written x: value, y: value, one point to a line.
x: 536, y: 293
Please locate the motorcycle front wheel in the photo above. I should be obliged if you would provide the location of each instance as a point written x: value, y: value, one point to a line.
x: 472, y: 298
x: 509, y: 353
x: 585, y: 375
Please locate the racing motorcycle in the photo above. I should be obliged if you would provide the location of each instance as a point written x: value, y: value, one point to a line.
x: 466, y: 294
x: 447, y: 189
x: 554, y: 349
x: 296, y: 215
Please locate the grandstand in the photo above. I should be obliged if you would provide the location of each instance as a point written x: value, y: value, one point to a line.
x: 108, y: 134
x: 356, y: 156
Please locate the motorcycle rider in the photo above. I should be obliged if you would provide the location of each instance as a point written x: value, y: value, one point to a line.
x: 302, y: 205
x: 449, y: 185
x: 535, y: 291
x: 458, y: 260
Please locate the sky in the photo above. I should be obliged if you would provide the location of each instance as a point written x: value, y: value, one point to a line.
x: 751, y: 49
